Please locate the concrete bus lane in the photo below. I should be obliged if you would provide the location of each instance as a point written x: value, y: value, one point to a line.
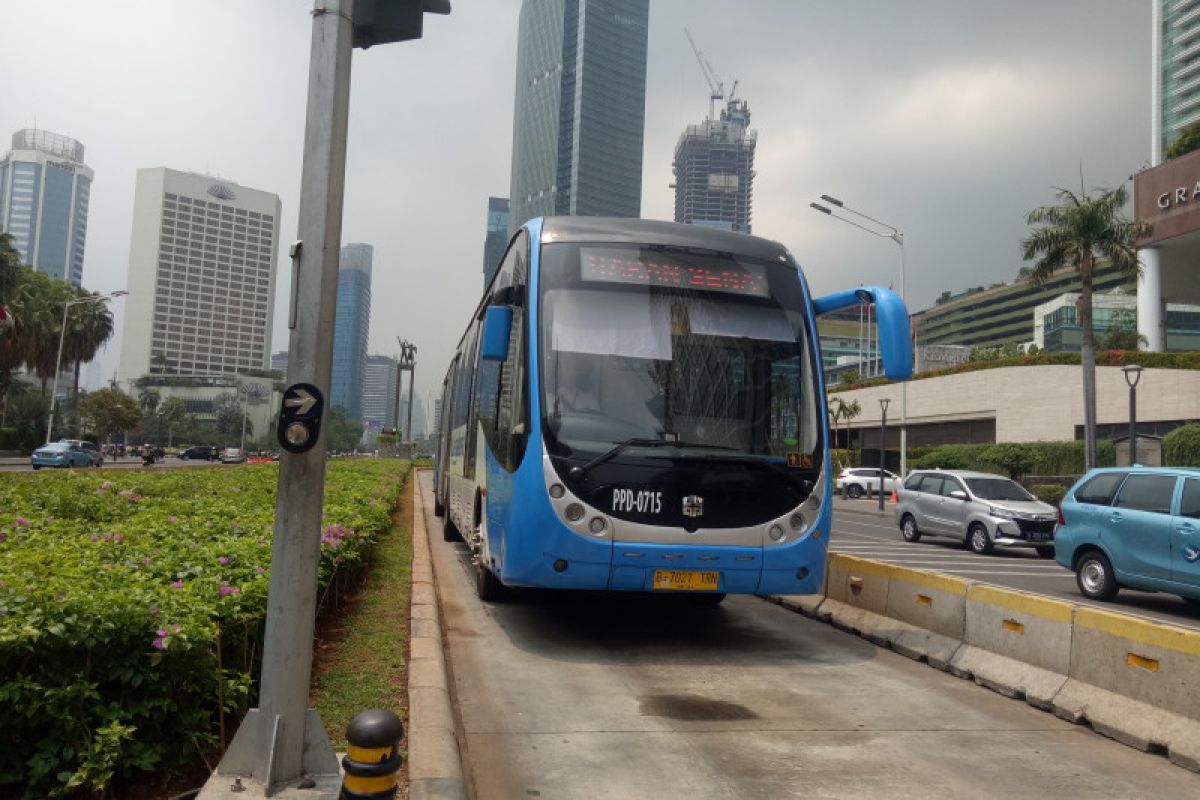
x: 580, y: 695
x: 859, y: 530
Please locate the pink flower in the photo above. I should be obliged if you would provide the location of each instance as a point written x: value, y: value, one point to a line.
x: 223, y: 561
x: 154, y: 611
x: 172, y: 520
x: 118, y: 537
x: 21, y: 523
x: 146, y: 561
x: 94, y: 538
x: 106, y: 485
x: 227, y: 590
x: 160, y: 641
x: 177, y: 584
x: 208, y: 523
x: 261, y: 569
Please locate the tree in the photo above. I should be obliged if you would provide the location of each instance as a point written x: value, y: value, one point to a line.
x: 1081, y: 230
x: 1122, y: 333
x: 171, y: 412
x: 839, y: 409
x: 1188, y: 140
x: 109, y: 411
x: 227, y: 410
x: 341, y: 434
x: 89, y: 326
x: 1181, y: 447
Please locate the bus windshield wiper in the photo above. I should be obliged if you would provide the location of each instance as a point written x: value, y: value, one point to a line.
x: 578, y: 472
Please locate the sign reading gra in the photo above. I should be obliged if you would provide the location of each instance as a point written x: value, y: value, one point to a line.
x: 1168, y: 197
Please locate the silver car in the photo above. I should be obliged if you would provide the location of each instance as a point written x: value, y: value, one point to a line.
x: 979, y: 509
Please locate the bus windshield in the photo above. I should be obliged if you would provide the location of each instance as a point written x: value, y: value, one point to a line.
x: 708, y: 351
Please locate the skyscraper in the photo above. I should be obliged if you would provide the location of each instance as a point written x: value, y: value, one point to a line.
x: 714, y: 171
x: 497, y: 237
x: 580, y: 109
x: 201, y: 276
x: 1177, y: 69
x: 379, y: 394
x: 351, y: 327
x: 44, y: 192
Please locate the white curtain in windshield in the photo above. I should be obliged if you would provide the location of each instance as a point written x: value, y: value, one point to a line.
x: 606, y: 322
x: 739, y: 321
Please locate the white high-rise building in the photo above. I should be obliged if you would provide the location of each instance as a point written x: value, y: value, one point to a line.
x: 44, y: 192
x: 201, y: 277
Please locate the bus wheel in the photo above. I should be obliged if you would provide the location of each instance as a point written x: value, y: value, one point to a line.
x: 449, y: 529
x: 487, y: 585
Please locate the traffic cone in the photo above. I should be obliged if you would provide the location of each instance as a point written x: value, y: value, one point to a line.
x: 895, y: 496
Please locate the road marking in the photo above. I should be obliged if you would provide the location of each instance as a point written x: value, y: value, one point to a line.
x: 992, y: 574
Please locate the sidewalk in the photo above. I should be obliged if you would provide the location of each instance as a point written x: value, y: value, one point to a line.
x: 869, y: 507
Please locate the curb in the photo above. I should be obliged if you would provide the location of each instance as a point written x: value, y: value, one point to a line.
x: 434, y: 763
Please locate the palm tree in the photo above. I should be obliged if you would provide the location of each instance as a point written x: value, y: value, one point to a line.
x: 1081, y: 230
x: 89, y: 326
x: 839, y: 409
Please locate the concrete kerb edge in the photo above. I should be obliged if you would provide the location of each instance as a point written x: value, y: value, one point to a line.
x: 435, y: 770
x: 1130, y: 721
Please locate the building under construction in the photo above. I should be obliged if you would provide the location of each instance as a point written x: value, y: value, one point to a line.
x: 714, y: 162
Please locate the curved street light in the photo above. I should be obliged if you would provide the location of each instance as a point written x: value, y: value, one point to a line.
x: 62, y: 337
x: 897, y: 236
x: 1133, y: 373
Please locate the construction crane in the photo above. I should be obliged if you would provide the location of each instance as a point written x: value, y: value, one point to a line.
x: 716, y: 88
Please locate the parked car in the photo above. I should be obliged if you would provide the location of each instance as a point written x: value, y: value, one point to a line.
x: 60, y: 454
x: 206, y: 452
x: 1134, y: 527
x: 857, y: 481
x: 233, y: 455
x: 90, y: 448
x: 977, y: 508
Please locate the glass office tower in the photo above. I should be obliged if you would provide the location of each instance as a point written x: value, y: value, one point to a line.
x: 497, y: 237
x: 44, y: 193
x: 351, y: 328
x: 580, y: 109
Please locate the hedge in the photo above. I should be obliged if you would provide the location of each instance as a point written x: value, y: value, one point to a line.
x: 1016, y: 458
x: 122, y: 590
x: 1181, y: 447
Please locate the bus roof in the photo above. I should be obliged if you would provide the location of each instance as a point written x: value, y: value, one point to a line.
x: 671, y: 234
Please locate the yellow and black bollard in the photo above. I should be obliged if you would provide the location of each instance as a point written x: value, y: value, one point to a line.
x: 372, y: 756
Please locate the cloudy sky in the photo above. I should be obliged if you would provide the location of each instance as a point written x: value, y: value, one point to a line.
x: 950, y: 119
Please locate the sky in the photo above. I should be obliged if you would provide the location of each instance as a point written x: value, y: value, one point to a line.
x: 948, y: 119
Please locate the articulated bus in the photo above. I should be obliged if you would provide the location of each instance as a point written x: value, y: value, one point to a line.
x: 640, y: 406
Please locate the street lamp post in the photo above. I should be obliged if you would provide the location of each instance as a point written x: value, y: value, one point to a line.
x: 1133, y: 373
x: 883, y: 404
x: 62, y: 338
x: 897, y: 236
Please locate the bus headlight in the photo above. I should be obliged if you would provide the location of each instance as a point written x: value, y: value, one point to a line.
x: 574, y: 512
x: 557, y: 490
x: 597, y: 525
x: 797, y: 521
x: 776, y: 532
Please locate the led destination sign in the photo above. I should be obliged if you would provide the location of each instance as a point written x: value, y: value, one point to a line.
x: 611, y: 266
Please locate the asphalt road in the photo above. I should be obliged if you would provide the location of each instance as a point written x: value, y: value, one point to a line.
x: 126, y: 462
x: 581, y: 695
x: 858, y: 530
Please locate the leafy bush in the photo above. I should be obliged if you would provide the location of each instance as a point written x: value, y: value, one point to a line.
x: 841, y: 458
x: 1181, y: 447
x: 1016, y: 458
x: 1051, y: 493
x: 121, y: 591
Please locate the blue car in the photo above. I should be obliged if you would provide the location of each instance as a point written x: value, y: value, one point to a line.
x: 1135, y: 527
x: 60, y: 454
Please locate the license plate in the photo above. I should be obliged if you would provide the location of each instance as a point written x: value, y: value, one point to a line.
x: 686, y: 580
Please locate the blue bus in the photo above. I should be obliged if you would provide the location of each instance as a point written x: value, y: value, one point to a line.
x: 640, y: 406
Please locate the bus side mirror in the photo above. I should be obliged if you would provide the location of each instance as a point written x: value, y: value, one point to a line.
x: 497, y: 326
x: 895, y: 334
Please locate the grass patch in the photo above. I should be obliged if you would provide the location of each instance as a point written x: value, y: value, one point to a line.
x: 362, y: 655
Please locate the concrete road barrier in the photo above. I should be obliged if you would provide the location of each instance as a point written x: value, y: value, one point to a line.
x: 1133, y: 680
x: 1136, y: 681
x: 1017, y: 644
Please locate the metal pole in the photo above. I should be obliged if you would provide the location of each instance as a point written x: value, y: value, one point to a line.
x: 904, y: 384
x: 1132, y: 424
x: 882, y: 451
x: 282, y: 740
x: 62, y: 336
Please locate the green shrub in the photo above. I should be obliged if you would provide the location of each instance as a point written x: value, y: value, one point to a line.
x: 1181, y: 447
x: 841, y: 458
x: 1051, y: 493
x: 119, y: 591
x: 1016, y: 459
